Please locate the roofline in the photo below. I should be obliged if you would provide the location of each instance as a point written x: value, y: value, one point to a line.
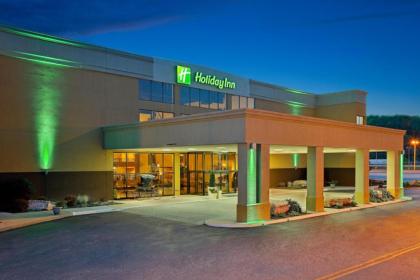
x: 63, y: 41
x: 256, y: 114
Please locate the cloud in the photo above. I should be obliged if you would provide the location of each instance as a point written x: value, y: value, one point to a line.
x: 95, y: 16
x: 371, y: 16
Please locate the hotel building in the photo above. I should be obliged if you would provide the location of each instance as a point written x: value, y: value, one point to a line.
x: 83, y: 119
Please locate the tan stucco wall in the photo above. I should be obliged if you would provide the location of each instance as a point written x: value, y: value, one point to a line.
x: 346, y: 112
x: 85, y: 101
x: 339, y: 160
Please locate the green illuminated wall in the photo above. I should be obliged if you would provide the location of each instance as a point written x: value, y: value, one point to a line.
x: 46, y: 102
x: 252, y: 176
x: 46, y: 106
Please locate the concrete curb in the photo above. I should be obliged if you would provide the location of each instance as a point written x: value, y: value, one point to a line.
x: 7, y: 225
x: 233, y: 224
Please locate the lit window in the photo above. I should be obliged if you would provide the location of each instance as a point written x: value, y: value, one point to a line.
x: 235, y: 102
x: 359, y: 120
x: 243, y: 104
x: 145, y: 115
x: 251, y: 103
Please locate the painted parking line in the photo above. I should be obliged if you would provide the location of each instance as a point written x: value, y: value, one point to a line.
x: 369, y: 263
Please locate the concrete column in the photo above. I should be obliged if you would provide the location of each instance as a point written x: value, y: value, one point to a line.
x: 315, y: 179
x: 253, y: 183
x: 177, y: 175
x: 393, y: 173
x: 362, y: 176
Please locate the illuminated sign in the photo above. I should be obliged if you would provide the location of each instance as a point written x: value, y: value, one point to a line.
x: 183, y: 76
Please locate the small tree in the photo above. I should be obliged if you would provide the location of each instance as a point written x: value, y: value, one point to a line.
x: 212, y: 182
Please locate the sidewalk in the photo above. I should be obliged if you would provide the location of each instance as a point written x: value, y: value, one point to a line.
x: 9, y: 221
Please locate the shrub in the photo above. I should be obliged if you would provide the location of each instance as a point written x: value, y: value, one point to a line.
x: 294, y: 208
x: 60, y: 204
x: 82, y: 200
x: 212, y: 181
x: 20, y: 205
x: 380, y: 196
x: 70, y: 200
x: 13, y: 193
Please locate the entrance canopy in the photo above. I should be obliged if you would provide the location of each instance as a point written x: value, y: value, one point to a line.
x: 256, y: 134
x: 250, y: 126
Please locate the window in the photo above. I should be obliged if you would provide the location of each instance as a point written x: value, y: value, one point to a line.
x: 235, y: 102
x: 145, y: 88
x: 185, y: 96
x: 194, y: 97
x: 242, y: 102
x: 214, y: 100
x: 135, y: 172
x: 147, y: 115
x: 221, y: 100
x: 359, y: 120
x: 251, y: 103
x: 204, y: 99
x: 168, y: 96
x: 156, y: 91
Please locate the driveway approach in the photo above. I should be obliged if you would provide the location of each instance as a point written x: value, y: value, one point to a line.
x: 128, y: 245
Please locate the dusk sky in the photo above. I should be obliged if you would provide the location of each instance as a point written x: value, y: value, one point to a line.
x: 315, y: 45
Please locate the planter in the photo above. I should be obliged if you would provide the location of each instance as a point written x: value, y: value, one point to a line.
x: 212, y: 193
x: 219, y: 193
x: 56, y: 210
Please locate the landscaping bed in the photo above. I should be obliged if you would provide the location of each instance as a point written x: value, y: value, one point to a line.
x: 340, y: 203
x: 285, y: 209
x: 380, y: 196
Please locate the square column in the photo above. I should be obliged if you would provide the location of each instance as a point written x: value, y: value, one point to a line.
x: 253, y: 182
x: 361, y: 193
x: 315, y: 179
x: 177, y: 175
x: 393, y: 173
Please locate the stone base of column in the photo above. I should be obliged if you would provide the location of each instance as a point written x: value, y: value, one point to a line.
x: 315, y: 203
x: 253, y: 212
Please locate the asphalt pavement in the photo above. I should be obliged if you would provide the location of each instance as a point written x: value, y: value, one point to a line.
x: 375, y: 243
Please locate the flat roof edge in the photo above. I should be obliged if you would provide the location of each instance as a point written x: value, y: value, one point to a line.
x: 244, y: 113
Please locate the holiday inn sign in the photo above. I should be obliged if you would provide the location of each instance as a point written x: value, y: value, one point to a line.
x: 183, y: 76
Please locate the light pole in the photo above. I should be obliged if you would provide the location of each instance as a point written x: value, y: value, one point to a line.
x: 414, y: 142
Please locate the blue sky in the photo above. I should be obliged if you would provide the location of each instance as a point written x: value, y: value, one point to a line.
x: 315, y: 45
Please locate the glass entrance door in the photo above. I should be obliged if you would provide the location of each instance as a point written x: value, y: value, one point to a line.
x: 196, y: 168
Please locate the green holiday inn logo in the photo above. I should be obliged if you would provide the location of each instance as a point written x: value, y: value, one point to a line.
x: 183, y: 76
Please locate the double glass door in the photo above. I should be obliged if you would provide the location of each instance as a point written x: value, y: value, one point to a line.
x: 196, y: 169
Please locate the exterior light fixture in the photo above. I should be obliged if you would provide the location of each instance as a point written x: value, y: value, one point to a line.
x: 414, y: 142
